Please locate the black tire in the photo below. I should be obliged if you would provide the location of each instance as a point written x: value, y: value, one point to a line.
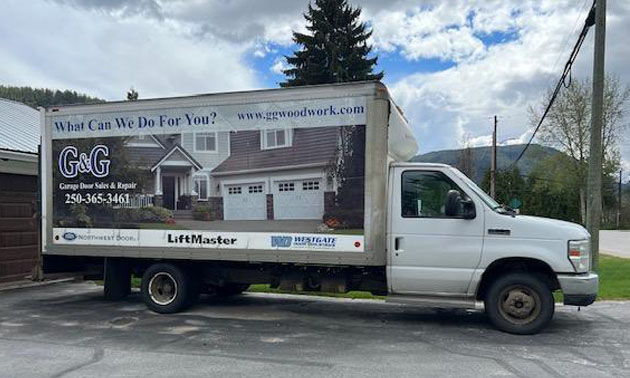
x: 166, y: 288
x: 230, y: 290
x: 117, y: 279
x: 520, y: 303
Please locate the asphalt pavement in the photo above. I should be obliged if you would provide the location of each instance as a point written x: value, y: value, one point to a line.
x: 68, y: 330
x: 614, y: 242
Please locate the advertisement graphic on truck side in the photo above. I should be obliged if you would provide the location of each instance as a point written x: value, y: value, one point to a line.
x: 122, y: 178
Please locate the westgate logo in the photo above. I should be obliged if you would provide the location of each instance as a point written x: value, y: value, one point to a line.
x: 327, y: 242
x: 281, y: 241
x: 71, y: 162
x: 315, y: 241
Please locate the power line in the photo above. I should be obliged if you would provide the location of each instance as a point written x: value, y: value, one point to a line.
x: 590, y: 20
x: 565, y: 40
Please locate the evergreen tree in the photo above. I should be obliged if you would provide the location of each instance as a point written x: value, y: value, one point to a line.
x: 336, y: 48
x: 35, y: 97
x: 132, y: 94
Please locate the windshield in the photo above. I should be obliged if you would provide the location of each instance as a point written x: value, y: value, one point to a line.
x: 494, y: 205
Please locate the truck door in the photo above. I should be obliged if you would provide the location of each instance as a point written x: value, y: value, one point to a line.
x: 430, y: 252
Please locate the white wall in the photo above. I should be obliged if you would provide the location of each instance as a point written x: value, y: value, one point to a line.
x: 208, y: 160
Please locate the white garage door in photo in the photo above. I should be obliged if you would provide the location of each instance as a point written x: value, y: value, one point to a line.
x: 298, y: 199
x: 245, y: 202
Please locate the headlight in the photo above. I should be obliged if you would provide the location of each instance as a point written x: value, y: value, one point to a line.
x: 580, y: 255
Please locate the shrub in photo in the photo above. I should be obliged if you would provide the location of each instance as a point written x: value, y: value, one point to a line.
x: 201, y: 212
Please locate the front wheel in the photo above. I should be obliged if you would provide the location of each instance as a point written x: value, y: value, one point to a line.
x: 519, y: 303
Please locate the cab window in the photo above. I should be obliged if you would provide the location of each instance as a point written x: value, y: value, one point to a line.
x: 424, y: 194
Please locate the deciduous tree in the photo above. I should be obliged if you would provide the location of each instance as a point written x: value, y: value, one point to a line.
x: 567, y: 127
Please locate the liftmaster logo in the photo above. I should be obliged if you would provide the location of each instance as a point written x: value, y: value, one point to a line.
x: 200, y: 239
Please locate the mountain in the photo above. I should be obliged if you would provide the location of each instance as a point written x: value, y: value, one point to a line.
x: 481, y: 158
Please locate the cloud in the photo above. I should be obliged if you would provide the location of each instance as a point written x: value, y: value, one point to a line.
x: 104, y: 54
x: 486, y: 140
x: 279, y: 65
x: 425, y: 33
x: 499, y: 56
x: 124, y: 8
x: 480, y: 141
x: 241, y: 21
x: 507, y: 77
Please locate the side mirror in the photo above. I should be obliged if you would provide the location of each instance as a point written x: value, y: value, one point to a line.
x: 469, y: 209
x: 453, y: 203
x: 456, y: 206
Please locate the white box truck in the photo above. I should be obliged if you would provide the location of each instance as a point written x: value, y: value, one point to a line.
x: 305, y: 188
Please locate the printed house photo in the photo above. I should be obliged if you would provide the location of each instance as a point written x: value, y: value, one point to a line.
x: 296, y: 180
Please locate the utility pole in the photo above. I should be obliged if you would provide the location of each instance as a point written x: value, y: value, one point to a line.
x: 619, y: 199
x: 594, y: 188
x: 493, y: 162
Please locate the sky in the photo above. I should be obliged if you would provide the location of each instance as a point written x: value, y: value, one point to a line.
x: 451, y: 65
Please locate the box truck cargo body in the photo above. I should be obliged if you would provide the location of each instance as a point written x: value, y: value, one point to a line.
x: 303, y: 188
x: 276, y: 175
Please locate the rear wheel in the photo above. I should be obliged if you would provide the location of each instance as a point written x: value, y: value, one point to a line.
x: 519, y: 303
x: 166, y: 288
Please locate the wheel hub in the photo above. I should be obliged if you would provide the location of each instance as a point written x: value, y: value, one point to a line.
x: 519, y: 304
x: 163, y: 288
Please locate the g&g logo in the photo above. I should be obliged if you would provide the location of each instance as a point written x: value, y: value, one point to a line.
x: 71, y: 163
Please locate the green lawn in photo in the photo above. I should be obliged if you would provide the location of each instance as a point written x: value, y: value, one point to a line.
x: 614, y: 277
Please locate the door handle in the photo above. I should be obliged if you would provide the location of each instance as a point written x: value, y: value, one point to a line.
x: 397, y: 244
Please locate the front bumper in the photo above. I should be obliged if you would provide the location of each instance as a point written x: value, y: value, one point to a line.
x: 579, y: 289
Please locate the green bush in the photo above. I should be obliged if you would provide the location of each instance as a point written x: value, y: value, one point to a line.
x: 201, y: 212
x: 156, y: 214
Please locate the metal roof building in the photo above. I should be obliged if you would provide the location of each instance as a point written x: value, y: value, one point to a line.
x: 19, y: 235
x: 19, y: 137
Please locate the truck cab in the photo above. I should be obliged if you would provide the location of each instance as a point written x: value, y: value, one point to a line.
x: 451, y: 243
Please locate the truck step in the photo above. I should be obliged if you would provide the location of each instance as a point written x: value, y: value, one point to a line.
x: 435, y: 301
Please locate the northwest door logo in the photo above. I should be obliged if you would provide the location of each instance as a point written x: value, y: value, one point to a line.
x: 69, y: 236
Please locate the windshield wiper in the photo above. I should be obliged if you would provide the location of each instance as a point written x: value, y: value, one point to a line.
x: 505, y: 209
